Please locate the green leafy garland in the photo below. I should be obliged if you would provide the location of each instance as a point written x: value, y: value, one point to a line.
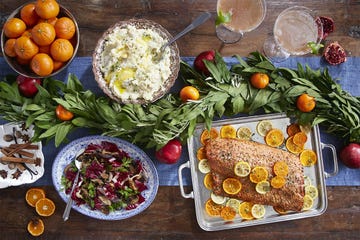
x: 225, y: 92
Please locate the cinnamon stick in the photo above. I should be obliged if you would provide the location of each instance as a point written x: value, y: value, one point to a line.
x: 21, y: 152
x: 28, y: 146
x: 19, y: 160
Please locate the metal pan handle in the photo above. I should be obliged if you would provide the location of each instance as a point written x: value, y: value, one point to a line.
x: 181, y: 185
x: 336, y: 166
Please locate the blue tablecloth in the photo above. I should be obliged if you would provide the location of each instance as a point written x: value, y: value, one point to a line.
x: 346, y: 73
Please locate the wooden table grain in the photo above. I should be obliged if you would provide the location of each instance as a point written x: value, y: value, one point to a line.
x: 170, y: 216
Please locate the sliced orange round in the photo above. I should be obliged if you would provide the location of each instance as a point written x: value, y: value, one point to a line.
x: 244, y: 133
x: 281, y: 168
x: 258, y: 174
x: 200, y: 153
x: 33, y: 195
x: 300, y: 139
x: 208, y: 181
x: 245, y: 210
x: 227, y: 131
x: 212, y: 208
x: 227, y: 213
x: 206, y: 135
x: 292, y: 129
x: 279, y: 210
x: 231, y: 186
x: 278, y: 182
x: 292, y: 147
x: 45, y: 207
x: 274, y: 137
x: 36, y: 227
x: 308, y: 157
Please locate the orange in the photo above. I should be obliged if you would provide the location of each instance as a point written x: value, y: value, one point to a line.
x: 27, y: 33
x: 305, y: 103
x: 47, y: 8
x: 228, y: 131
x: 25, y: 48
x: 45, y: 207
x: 200, y: 153
x: 308, y: 158
x: 300, y: 139
x: 258, y: 174
x: 44, y: 49
x: 227, y: 213
x: 28, y: 14
x: 281, y: 168
x: 58, y: 65
x: 42, y: 64
x: 52, y: 21
x: 292, y: 147
x: 33, y: 195
x: 206, y: 135
x: 22, y: 61
x: 65, y: 28
x: 279, y: 210
x: 259, y: 80
x: 208, y: 181
x: 63, y: 114
x: 189, y: 93
x: 231, y: 186
x: 9, y: 47
x: 61, y: 50
x: 43, y: 34
x: 245, y: 210
x: 212, y: 208
x: 292, y: 129
x: 36, y: 227
x: 278, y: 182
x: 14, y: 27
x: 274, y: 137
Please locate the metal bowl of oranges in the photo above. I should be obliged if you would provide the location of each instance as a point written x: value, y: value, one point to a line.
x: 40, y: 39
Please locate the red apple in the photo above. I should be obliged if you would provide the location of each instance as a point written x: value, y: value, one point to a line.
x: 27, y: 86
x: 199, y: 64
x: 170, y: 153
x: 350, y: 155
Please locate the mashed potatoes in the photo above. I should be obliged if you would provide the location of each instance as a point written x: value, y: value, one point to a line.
x: 127, y: 63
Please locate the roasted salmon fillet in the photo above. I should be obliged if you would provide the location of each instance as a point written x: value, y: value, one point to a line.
x: 224, y: 153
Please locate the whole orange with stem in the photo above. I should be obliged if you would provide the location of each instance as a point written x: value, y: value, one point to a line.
x: 47, y: 8
x: 65, y: 28
x: 259, y: 80
x: 9, y: 47
x: 28, y: 14
x: 42, y: 64
x: 25, y: 48
x: 61, y: 50
x: 14, y: 27
x: 189, y: 93
x: 43, y: 34
x: 305, y: 102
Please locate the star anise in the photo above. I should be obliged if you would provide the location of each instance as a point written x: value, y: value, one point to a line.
x: 25, y: 137
x: 16, y: 174
x: 3, y: 174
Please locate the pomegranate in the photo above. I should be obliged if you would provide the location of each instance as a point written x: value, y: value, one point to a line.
x: 170, y: 153
x: 199, y: 61
x: 350, y: 155
x: 328, y: 25
x: 27, y: 86
x: 334, y: 53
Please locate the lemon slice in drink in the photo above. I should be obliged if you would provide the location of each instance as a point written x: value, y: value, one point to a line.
x: 204, y: 166
x: 258, y: 211
x: 217, y: 199
x: 311, y: 191
x: 242, y: 169
x: 308, y: 202
x: 263, y: 127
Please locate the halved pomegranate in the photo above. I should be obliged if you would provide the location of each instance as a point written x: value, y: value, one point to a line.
x: 327, y: 24
x: 334, y: 53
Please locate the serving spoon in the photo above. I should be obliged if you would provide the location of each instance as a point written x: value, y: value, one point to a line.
x: 70, y: 200
x: 158, y: 55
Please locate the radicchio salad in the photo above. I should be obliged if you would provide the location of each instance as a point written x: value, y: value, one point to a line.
x: 109, y: 179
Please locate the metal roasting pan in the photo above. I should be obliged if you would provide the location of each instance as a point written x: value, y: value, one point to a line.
x: 200, y: 194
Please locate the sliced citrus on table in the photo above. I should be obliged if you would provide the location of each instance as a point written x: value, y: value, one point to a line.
x: 245, y: 210
x: 278, y: 182
x: 281, y: 168
x: 45, y: 207
x: 292, y: 129
x: 262, y: 187
x: 234, y: 203
x: 206, y: 135
x: 33, y: 195
x: 208, y: 181
x: 217, y: 198
x: 227, y: 131
x: 263, y: 127
x: 258, y: 211
x: 300, y: 139
x: 242, y: 169
x: 274, y: 137
x: 244, y: 133
x: 292, y: 147
x: 308, y: 157
x: 36, y: 227
x: 308, y: 202
x: 200, y: 153
x: 212, y: 208
x: 258, y: 174
x: 231, y: 186
x: 227, y: 213
x: 203, y: 166
x: 312, y: 191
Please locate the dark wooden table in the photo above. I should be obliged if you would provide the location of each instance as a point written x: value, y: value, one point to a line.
x: 171, y: 216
